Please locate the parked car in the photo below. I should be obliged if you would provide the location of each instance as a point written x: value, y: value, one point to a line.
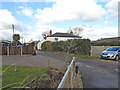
x: 111, y: 53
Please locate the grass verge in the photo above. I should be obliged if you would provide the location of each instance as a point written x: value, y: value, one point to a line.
x: 20, y: 77
x: 78, y: 55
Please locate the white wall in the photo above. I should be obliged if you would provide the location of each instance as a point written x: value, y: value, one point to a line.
x: 52, y: 39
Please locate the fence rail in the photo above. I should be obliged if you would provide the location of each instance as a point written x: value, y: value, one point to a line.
x: 68, y: 79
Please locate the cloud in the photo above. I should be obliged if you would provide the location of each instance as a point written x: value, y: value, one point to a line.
x: 107, y: 22
x: 68, y: 10
x: 26, y: 11
x: 112, y: 8
x: 95, y: 33
x: 6, y: 21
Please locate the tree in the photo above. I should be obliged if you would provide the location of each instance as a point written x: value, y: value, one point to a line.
x: 45, y: 34
x: 16, y: 38
x: 76, y: 30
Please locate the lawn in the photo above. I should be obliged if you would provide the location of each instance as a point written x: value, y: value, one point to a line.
x: 20, y: 77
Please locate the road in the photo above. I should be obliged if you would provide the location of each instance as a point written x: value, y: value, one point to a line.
x: 96, y: 73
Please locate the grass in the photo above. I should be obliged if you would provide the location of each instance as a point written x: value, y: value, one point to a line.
x: 78, y: 55
x: 84, y: 56
x: 23, y: 75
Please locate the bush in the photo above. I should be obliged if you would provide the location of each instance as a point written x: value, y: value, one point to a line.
x: 113, y: 43
x: 47, y: 46
x: 75, y: 46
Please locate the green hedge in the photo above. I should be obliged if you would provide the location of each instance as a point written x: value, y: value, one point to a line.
x: 47, y: 46
x: 76, y: 46
x: 114, y: 43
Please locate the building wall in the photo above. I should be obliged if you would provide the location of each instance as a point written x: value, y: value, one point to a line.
x: 54, y: 39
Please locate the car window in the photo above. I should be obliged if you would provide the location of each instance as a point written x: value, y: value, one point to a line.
x: 112, y: 49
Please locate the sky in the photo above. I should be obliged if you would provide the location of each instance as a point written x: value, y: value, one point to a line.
x: 98, y: 18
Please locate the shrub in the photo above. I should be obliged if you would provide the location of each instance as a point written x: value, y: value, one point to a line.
x: 47, y: 46
x: 113, y: 43
x: 76, y: 46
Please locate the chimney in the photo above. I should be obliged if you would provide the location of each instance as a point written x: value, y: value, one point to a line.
x: 50, y: 32
x: 71, y: 32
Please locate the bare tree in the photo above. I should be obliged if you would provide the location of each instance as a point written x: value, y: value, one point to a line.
x: 76, y: 30
x: 45, y: 34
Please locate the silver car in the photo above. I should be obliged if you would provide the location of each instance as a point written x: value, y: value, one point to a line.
x: 111, y: 53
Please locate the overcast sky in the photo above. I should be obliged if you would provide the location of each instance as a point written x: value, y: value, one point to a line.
x: 99, y: 19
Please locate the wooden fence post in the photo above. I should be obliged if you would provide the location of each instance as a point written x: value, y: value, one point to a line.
x: 21, y: 51
x: 8, y: 50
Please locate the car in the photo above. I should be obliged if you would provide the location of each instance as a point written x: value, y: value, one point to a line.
x: 111, y: 53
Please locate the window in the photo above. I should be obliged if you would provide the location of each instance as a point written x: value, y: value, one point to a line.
x: 56, y: 39
x: 113, y: 49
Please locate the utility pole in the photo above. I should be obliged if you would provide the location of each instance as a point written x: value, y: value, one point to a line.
x: 13, y: 32
x: 13, y: 28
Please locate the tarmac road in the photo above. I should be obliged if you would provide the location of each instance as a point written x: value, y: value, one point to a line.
x: 97, y: 73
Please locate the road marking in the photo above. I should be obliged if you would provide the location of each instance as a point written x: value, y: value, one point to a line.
x: 89, y: 66
x: 116, y: 70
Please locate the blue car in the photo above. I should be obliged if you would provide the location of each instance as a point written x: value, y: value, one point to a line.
x: 111, y: 53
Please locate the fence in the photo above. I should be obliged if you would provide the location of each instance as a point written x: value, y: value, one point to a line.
x: 68, y: 79
x: 12, y: 50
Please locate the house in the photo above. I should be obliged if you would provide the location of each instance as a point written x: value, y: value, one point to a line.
x: 109, y: 39
x: 57, y: 37
x: 5, y: 43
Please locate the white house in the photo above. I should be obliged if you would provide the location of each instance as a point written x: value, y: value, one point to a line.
x: 58, y: 37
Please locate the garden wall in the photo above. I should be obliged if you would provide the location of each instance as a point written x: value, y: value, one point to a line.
x: 96, y: 50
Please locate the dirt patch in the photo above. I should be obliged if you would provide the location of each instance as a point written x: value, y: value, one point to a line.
x: 50, y: 79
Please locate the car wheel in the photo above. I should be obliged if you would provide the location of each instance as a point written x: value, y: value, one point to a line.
x: 117, y: 58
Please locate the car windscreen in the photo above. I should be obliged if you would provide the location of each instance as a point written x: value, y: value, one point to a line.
x: 112, y: 49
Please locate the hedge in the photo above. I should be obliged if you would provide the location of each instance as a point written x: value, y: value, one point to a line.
x: 75, y: 46
x: 113, y: 43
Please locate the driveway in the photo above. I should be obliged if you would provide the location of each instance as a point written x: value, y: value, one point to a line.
x: 36, y: 61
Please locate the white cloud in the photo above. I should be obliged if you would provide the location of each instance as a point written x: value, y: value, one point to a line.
x: 26, y: 11
x: 107, y: 22
x: 39, y: 29
x: 6, y: 21
x: 68, y: 10
x: 95, y: 33
x: 112, y: 8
